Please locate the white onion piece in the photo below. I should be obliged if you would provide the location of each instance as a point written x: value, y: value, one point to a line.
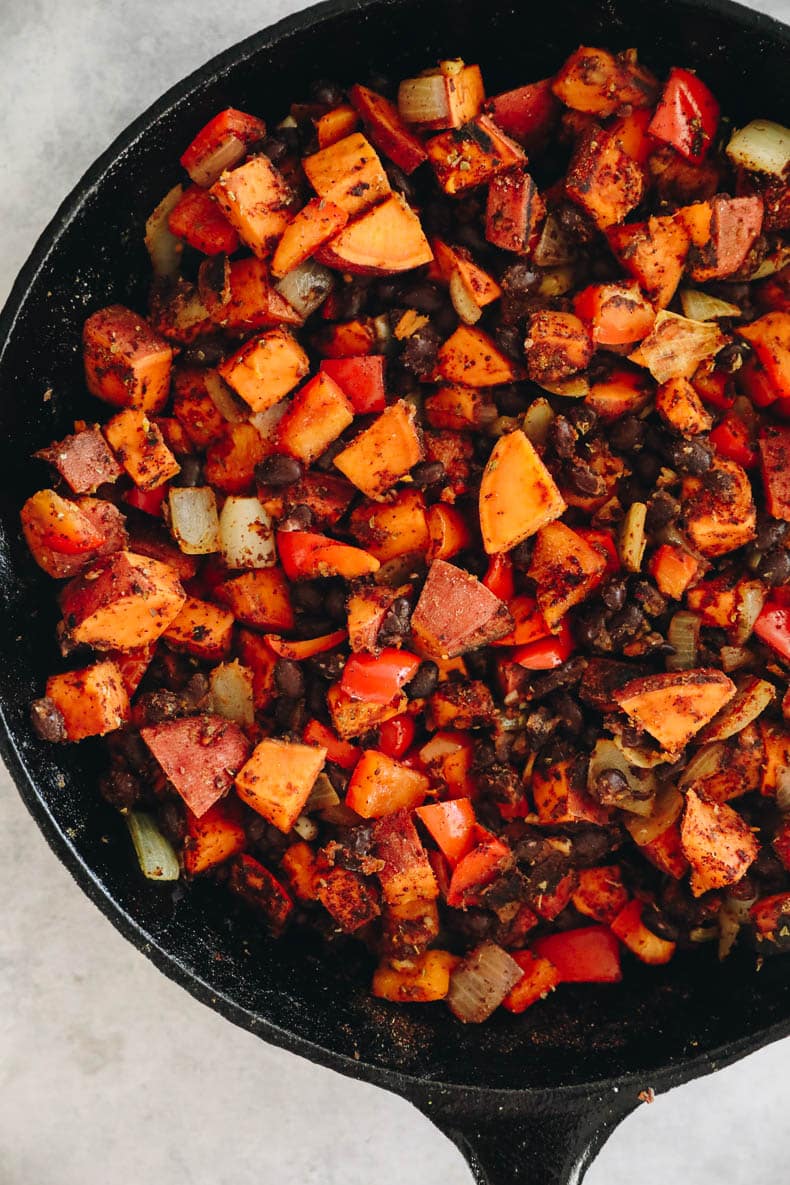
x: 537, y: 420
x: 266, y: 421
x: 231, y: 692
x: 705, y: 763
x: 322, y: 796
x: 751, y: 598
x: 164, y: 248
x: 463, y: 302
x: 228, y: 404
x: 667, y: 807
x: 699, y: 306
x: 556, y: 281
x: 734, y: 657
x: 732, y: 915
x: 631, y: 545
x: 225, y: 156
x: 676, y: 345
x: 683, y: 634
x: 246, y: 536
x: 479, y: 984
x: 158, y: 861
x: 575, y: 387
x: 555, y: 245
x: 641, y: 758
x: 305, y: 828
x: 193, y: 519
x: 745, y: 706
x: 607, y: 755
x: 762, y: 147
x: 774, y: 262
x: 424, y: 100
x: 306, y: 287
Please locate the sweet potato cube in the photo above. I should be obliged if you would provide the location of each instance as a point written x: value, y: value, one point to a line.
x: 213, y: 838
x: 718, y: 844
x: 776, y: 748
x: 231, y: 460
x: 348, y: 173
x: 540, y: 977
x: 138, y: 444
x: 457, y: 262
x: 679, y: 404
x: 560, y: 798
x: 471, y: 155
x: 260, y: 598
x: 126, y: 363
x: 254, y: 198
x: 309, y: 229
x: 241, y: 297
x: 348, y: 897
x: 600, y: 893
x: 407, y: 874
x: 595, y: 81
x: 366, y: 608
x: 256, y: 653
x: 194, y: 408
x: 603, y: 179
x: 384, y: 452
x: 301, y: 871
x: 65, y: 536
x: 665, y: 852
x: 775, y: 460
x: 654, y: 253
x: 202, y: 629
x: 469, y: 356
x: 318, y: 414
x: 460, y: 705
x: 769, y: 337
x: 642, y: 942
x: 277, y: 780
x: 123, y: 601
x: 518, y: 495
x: 673, y: 570
x: 719, y: 514
x: 529, y: 113
x: 384, y: 240
x: 422, y: 980
x: 622, y: 392
x: 259, y: 889
x: 199, y: 755
x: 333, y: 125
x: 265, y: 369
x: 387, y: 130
x: 82, y: 460
x: 456, y: 613
x: 459, y: 407
x: 557, y: 345
x: 92, y: 701
x: 389, y: 529
x: 673, y: 707
x: 513, y: 211
x: 352, y: 718
x: 565, y: 569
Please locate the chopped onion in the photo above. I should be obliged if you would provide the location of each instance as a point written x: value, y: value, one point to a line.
x: 424, y: 100
x: 265, y: 422
x: 305, y: 828
x: 783, y: 790
x: 642, y: 758
x: 632, y: 541
x: 773, y: 262
x: 556, y: 281
x: 683, y: 635
x: 480, y: 983
x: 575, y: 387
x: 762, y: 147
x: 341, y: 816
x: 667, y: 807
x: 608, y: 755
x: 465, y: 305
x: 676, y: 345
x: 231, y: 692
x: 745, y: 706
x: 193, y: 519
x: 537, y: 420
x: 734, y: 657
x: 704, y: 933
x: 322, y: 795
x: 382, y: 328
x: 158, y: 861
x: 164, y: 248
x: 306, y: 287
x: 228, y: 404
x: 700, y: 306
x: 246, y: 537
x: 733, y: 914
x: 555, y: 245
x: 751, y: 598
x: 706, y: 762
x: 225, y: 156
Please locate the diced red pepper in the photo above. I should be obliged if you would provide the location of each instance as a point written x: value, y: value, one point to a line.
x: 222, y: 130
x: 603, y: 542
x: 376, y: 679
x: 529, y: 623
x: 489, y: 856
x: 198, y: 219
x: 587, y: 955
x: 528, y: 114
x: 149, y: 501
x: 499, y: 577
x: 713, y: 386
x: 306, y: 555
x: 360, y: 379
x: 452, y: 825
x: 687, y: 115
x: 773, y: 626
x: 546, y: 653
x: 396, y: 735
x: 539, y: 978
x: 339, y: 752
x: 731, y: 439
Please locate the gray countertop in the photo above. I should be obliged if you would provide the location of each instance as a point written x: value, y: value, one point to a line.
x: 109, y: 1072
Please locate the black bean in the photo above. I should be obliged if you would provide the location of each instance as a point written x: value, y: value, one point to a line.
x: 591, y: 627
x: 191, y: 472
x: 388, y: 291
x: 770, y: 531
x: 395, y: 623
x: 120, y: 788
x: 519, y: 279
x: 647, y: 467
x: 327, y: 93
x: 424, y: 682
x: 288, y: 678
x: 591, y: 846
x: 732, y: 356
x: 288, y: 713
x: 659, y: 924
x: 521, y: 555
x: 425, y: 297
x: 583, y: 418
x: 299, y: 519
x: 690, y: 457
x: 769, y: 870
x: 335, y: 602
x: 156, y: 706
x: 428, y: 473
x: 647, y: 595
x: 563, y: 437
x: 584, y: 481
x: 329, y: 665
x: 316, y: 699
x: 400, y: 182
x: 774, y: 566
x: 278, y: 470
x: 570, y: 714
x: 172, y: 821
x: 420, y: 351
x: 445, y: 321
x: 511, y: 400
x: 577, y: 223
x: 307, y: 597
x: 613, y: 594
x: 510, y: 339
x: 626, y: 433
x: 744, y: 890
x: 610, y: 787
x: 625, y: 625
x: 662, y: 509
x: 47, y: 720
x: 205, y: 352
x: 500, y: 781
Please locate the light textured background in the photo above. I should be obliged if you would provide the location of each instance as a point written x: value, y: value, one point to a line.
x: 109, y: 1072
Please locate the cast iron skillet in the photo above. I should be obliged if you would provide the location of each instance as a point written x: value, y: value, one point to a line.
x: 527, y: 1099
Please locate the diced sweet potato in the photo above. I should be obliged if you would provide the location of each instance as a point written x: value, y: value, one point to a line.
x: 623, y: 392
x: 194, y: 408
x: 769, y: 337
x: 642, y: 942
x: 420, y: 981
x: 213, y: 838
x: 348, y: 173
x: 353, y: 718
x: 231, y: 460
x: 774, y: 446
x: 201, y: 629
x: 265, y: 369
x: 199, y: 755
x: 386, y: 239
x: 654, y: 253
x: 387, y: 130
x: 197, y: 218
x: 380, y: 785
x: 459, y: 407
x: 471, y: 155
x: 82, y: 460
x: 673, y: 570
x: 384, y: 452
x: 678, y: 403
x: 603, y: 179
x: 529, y: 113
x: 565, y: 569
x: 126, y: 363
x: 389, y: 529
x: 407, y: 874
x: 256, y: 653
x: 460, y: 705
x: 261, y: 890
x: 254, y: 198
x: 456, y: 613
x: 349, y: 898
x: 242, y: 298
x: 557, y: 345
x: 121, y: 602
x: 469, y: 356
x: 309, y: 229
x: 346, y: 339
x: 457, y: 262
x: 260, y: 598
x: 301, y: 871
x: 597, y: 82
x: 137, y: 443
x: 718, y: 844
x: 600, y: 893
x: 776, y: 762
x: 92, y: 701
x: 540, y: 977
x: 513, y: 211
x: 277, y: 780
x: 665, y: 852
x: 617, y: 313
x: 336, y: 123
x: 673, y: 707
x: 318, y: 414
x: 65, y: 536
x: 560, y: 798
x: 718, y: 510
x: 518, y: 495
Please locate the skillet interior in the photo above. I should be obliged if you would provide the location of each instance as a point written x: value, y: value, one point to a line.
x: 296, y: 993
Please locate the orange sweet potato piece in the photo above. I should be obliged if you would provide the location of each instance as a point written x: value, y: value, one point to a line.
x: 242, y: 298
x: 126, y: 362
x: 266, y: 368
x: 202, y: 629
x: 469, y: 356
x: 424, y: 978
x: 679, y: 404
x: 622, y: 392
x: 460, y: 706
x: 309, y: 229
x: 565, y: 569
x: 769, y: 337
x: 718, y: 518
x: 603, y: 179
x: 673, y: 707
x: 387, y: 130
x: 518, y: 495
x: 389, y: 529
x: 774, y: 444
x: 600, y: 893
x: 380, y: 785
x: 231, y: 460
x: 199, y: 755
x: 557, y: 345
x: 654, y: 253
x: 277, y: 780
x: 256, y: 653
x: 513, y: 211
x: 459, y: 407
x: 540, y: 977
x: 92, y: 701
x: 352, y: 718
x: 770, y: 914
x: 448, y: 530
x: 259, y: 889
x: 194, y: 408
x: 407, y: 874
x: 65, y: 536
x: 260, y: 598
x: 348, y: 897
x: 617, y: 313
x: 318, y: 414
x: 642, y: 942
x: 255, y: 198
x: 776, y: 759
x: 718, y: 844
x: 123, y: 601
x: 386, y: 239
x: 559, y: 797
x: 456, y: 613
x: 597, y: 82
x: 213, y: 838
x: 384, y: 452
x: 665, y: 852
x: 471, y: 155
x: 82, y: 460
x: 348, y: 173
x: 347, y: 339
x: 456, y: 261
x: 673, y: 570
x: 301, y: 871
x: 336, y: 123
x: 138, y: 444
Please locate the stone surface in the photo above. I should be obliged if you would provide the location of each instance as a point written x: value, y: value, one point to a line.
x: 109, y: 1072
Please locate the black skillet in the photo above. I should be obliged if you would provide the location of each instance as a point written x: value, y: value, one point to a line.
x: 527, y: 1099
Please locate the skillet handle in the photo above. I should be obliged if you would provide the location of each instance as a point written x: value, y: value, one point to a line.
x: 548, y: 1141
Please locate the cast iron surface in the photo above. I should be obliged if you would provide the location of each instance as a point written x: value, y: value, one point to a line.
x: 526, y: 1098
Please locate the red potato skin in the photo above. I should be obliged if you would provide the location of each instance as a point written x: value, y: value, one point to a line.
x: 83, y: 460
x: 456, y: 613
x: 529, y: 113
x: 735, y: 224
x: 199, y: 755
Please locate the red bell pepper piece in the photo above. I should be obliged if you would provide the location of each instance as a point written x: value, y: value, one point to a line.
x: 339, y: 752
x: 587, y: 955
x: 539, y: 978
x: 713, y: 386
x: 529, y: 623
x: 452, y: 825
x: 499, y: 577
x: 220, y: 132
x: 687, y: 115
x: 603, y: 542
x: 396, y: 735
x: 198, y: 219
x: 377, y: 679
x: 489, y: 856
x: 307, y: 647
x: 306, y: 555
x: 546, y: 653
x: 149, y: 501
x: 732, y: 440
x: 528, y: 114
x: 773, y: 626
x: 360, y: 379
